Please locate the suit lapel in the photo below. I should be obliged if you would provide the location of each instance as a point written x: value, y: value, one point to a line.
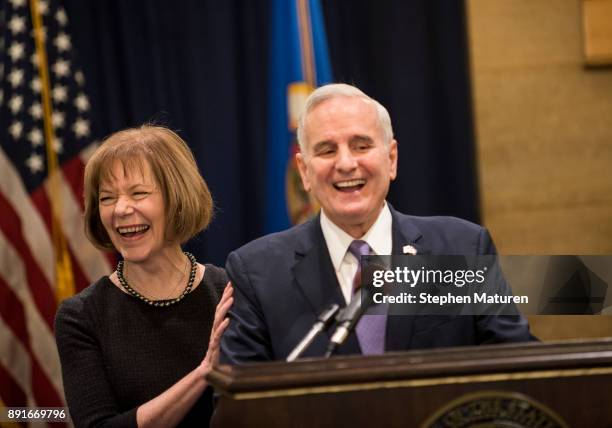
x: 314, y: 272
x: 405, y: 232
x: 400, y: 327
x: 316, y: 279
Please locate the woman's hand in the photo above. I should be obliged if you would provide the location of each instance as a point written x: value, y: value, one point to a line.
x: 219, y: 325
x: 170, y: 407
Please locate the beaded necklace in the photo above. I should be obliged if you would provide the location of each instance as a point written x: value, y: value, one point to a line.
x: 160, y: 303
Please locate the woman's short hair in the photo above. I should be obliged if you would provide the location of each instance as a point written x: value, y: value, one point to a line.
x: 187, y: 200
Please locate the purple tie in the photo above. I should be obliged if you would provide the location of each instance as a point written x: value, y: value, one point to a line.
x: 371, y: 328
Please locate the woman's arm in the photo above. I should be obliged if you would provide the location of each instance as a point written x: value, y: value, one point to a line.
x: 169, y: 408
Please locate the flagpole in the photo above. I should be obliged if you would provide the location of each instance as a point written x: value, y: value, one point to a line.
x: 305, y: 30
x: 63, y: 267
x: 300, y: 204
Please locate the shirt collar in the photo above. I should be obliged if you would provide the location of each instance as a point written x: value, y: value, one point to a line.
x: 378, y: 236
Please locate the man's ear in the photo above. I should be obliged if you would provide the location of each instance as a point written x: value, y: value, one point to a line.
x: 393, y: 159
x: 301, y: 164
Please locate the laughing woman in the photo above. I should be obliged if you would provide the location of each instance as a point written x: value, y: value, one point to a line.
x: 136, y: 346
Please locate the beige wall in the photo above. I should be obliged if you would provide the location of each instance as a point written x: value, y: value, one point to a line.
x: 544, y: 137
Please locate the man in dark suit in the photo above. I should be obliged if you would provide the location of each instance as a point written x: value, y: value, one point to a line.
x: 283, y: 281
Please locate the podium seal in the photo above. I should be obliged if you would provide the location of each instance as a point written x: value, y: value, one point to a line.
x: 495, y: 409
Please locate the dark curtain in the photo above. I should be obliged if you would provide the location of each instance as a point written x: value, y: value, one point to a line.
x: 198, y: 67
x: 201, y: 66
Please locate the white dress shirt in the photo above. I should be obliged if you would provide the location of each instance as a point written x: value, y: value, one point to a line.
x: 378, y: 237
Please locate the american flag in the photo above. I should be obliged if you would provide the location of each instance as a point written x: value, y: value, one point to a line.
x: 45, y: 139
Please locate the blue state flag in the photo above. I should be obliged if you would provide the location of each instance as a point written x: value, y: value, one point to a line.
x: 299, y: 62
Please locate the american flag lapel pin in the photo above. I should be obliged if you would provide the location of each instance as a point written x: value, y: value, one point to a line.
x: 409, y: 249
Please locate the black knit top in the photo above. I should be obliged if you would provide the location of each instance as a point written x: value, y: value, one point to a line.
x: 117, y: 352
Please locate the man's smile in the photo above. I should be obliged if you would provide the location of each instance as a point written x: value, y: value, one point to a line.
x: 350, y: 185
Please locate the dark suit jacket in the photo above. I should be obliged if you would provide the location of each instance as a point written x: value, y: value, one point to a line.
x: 283, y: 281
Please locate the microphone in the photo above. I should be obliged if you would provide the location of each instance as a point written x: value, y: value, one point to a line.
x: 348, y: 319
x: 322, y: 323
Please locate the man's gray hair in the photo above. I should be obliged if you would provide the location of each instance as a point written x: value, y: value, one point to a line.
x: 336, y: 90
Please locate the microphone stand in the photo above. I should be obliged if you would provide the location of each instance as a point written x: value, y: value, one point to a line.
x: 347, y: 320
x: 322, y: 323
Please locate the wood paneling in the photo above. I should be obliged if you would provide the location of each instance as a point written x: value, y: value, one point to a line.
x: 597, y: 24
x: 544, y: 131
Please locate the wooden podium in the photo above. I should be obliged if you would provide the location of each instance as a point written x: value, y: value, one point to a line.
x: 565, y: 384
